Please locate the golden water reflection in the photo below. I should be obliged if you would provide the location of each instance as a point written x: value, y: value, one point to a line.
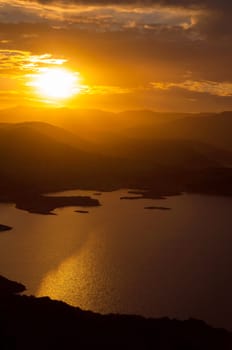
x: 122, y: 258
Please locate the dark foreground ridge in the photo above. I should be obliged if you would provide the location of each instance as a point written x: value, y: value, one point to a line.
x: 27, y: 322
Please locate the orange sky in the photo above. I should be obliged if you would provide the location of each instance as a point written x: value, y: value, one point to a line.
x: 170, y: 55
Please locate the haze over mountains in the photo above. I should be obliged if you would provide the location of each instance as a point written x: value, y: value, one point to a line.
x: 167, y: 153
x: 94, y: 125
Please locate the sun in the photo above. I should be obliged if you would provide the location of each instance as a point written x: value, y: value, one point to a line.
x: 57, y: 83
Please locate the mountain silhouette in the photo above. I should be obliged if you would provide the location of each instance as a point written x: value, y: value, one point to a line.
x: 39, y: 157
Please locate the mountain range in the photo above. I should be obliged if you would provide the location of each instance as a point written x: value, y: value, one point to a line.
x: 55, y: 149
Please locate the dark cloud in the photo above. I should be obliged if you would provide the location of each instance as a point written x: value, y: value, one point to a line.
x: 217, y: 22
x: 207, y: 19
x: 211, y: 4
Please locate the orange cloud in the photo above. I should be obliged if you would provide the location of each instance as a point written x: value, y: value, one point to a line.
x: 24, y: 60
x: 211, y: 87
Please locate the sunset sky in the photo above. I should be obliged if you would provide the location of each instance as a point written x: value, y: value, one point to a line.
x: 167, y: 55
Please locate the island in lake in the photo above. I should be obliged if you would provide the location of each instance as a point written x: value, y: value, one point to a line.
x: 157, y: 208
x: 41, y: 204
x: 5, y: 228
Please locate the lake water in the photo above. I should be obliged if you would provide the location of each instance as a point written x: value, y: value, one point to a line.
x: 122, y: 258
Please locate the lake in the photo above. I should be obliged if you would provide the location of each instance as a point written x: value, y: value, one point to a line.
x: 123, y: 258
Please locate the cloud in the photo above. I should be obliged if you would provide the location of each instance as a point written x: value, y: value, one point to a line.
x: 201, y: 18
x: 222, y: 89
x: 120, y: 46
x: 24, y: 60
x: 17, y: 65
x: 211, y: 4
x: 111, y: 17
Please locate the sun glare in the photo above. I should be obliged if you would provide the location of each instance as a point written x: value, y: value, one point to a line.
x: 57, y: 83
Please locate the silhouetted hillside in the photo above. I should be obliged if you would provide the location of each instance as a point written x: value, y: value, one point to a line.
x: 37, y: 157
x: 35, y: 140
x: 214, y: 129
x: 41, y: 323
x: 33, y: 154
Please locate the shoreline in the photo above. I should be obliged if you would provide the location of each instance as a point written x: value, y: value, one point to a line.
x: 25, y: 317
x: 42, y: 201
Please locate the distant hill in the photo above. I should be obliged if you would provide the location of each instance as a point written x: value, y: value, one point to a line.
x: 45, y: 157
x: 96, y: 126
x: 40, y: 154
x: 41, y: 146
x: 214, y: 129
